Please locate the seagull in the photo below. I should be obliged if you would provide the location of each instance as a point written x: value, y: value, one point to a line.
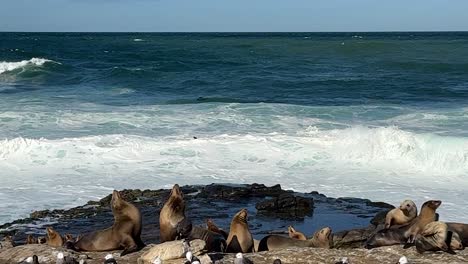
x: 403, y: 260
x: 110, y: 259
x: 343, y: 260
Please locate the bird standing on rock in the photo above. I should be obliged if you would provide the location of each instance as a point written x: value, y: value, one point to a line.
x: 403, y: 260
x: 191, y: 259
x: 241, y: 260
x: 110, y: 259
x: 343, y: 261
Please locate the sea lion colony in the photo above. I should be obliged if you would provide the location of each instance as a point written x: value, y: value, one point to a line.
x: 402, y: 226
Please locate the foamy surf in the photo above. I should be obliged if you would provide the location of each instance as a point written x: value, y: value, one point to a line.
x: 386, y: 164
x: 11, y: 66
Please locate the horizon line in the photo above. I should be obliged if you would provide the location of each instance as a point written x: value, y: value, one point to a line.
x: 246, y: 32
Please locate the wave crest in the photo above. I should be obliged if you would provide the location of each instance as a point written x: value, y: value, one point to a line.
x: 11, y: 66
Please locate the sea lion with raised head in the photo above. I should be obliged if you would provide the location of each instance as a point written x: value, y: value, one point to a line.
x: 210, y: 225
x: 321, y: 239
x: 401, y: 215
x: 123, y: 234
x: 54, y: 239
x: 240, y: 239
x: 406, y: 233
x: 295, y: 234
x: 434, y: 237
x: 173, y: 224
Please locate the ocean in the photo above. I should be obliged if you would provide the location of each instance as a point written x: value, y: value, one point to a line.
x: 382, y: 116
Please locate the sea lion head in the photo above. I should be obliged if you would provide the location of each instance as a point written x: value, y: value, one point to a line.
x: 176, y: 200
x: 433, y: 204
x: 295, y: 234
x: 210, y: 225
x: 323, y: 238
x: 53, y: 237
x: 241, y: 216
x: 41, y: 240
x: 69, y: 237
x: 117, y: 202
x: 408, y: 206
x: 51, y: 233
x: 455, y: 242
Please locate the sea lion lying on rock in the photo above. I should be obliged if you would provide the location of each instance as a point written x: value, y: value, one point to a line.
x: 321, y: 239
x: 435, y: 237
x: 406, y: 233
x: 123, y: 234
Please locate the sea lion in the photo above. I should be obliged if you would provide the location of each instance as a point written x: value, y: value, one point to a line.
x: 210, y: 225
x: 321, y: 239
x: 123, y: 234
x: 434, y: 237
x: 54, y: 239
x: 31, y: 240
x: 41, y: 240
x: 240, y: 239
x: 296, y: 234
x: 173, y: 224
x: 406, y: 233
x: 7, y: 242
x: 215, y: 242
x: 401, y: 215
x: 461, y: 230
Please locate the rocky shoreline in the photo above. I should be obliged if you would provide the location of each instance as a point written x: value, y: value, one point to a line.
x: 271, y: 210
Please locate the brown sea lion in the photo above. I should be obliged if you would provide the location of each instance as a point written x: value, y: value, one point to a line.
x: 406, y: 233
x: 7, y: 242
x: 123, y: 234
x: 41, y: 240
x: 240, y: 239
x: 54, y: 239
x: 295, y: 234
x: 321, y: 239
x: 434, y: 237
x: 461, y: 230
x: 210, y: 225
x: 456, y: 243
x: 215, y: 242
x: 401, y: 215
x: 173, y: 224
x: 31, y: 240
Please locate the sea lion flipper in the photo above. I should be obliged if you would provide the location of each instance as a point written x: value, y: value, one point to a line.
x: 448, y: 241
x: 129, y: 246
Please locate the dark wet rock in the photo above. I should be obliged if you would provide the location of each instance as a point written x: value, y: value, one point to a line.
x: 288, y: 204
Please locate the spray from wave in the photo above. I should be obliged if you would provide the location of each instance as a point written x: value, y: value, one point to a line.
x: 11, y: 66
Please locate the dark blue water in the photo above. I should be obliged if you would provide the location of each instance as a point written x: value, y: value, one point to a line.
x: 374, y: 115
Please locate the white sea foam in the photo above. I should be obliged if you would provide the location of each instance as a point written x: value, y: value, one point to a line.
x: 138, y: 40
x: 10, y: 66
x: 384, y: 163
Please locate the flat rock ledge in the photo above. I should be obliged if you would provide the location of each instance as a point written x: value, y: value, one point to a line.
x: 388, y: 255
